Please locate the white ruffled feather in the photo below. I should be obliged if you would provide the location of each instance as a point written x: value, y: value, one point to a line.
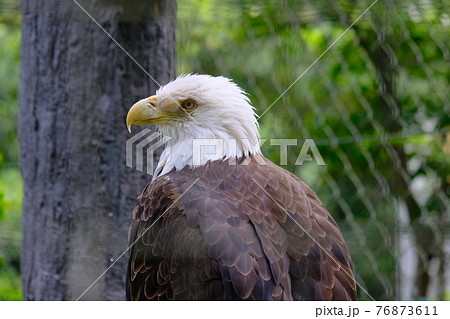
x: 223, y: 125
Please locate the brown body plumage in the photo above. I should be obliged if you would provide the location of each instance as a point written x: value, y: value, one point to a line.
x: 236, y: 231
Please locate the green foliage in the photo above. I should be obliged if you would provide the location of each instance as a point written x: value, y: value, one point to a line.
x: 376, y: 144
x: 10, y: 234
x: 2, y: 204
x: 9, y: 79
x: 9, y: 283
x: 10, y: 179
x: 375, y: 104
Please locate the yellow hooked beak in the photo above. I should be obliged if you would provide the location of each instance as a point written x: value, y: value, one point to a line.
x: 147, y: 111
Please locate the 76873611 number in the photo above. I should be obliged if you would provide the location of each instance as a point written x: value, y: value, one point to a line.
x: 406, y: 311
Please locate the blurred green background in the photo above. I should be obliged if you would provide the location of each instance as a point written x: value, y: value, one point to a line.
x: 376, y: 105
x: 10, y: 180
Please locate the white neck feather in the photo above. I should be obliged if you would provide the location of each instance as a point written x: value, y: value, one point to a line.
x: 193, y: 152
x: 223, y: 126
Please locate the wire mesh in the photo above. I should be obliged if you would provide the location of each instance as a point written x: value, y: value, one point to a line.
x: 375, y: 104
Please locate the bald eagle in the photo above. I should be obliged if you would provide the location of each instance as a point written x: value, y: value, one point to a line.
x: 231, y: 225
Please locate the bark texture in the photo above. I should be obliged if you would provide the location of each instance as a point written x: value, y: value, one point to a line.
x: 76, y: 88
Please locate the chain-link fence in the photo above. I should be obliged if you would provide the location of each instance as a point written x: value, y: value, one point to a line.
x: 376, y: 105
x: 374, y: 99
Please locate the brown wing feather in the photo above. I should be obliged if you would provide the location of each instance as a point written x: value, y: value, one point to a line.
x: 317, y: 273
x: 227, y: 238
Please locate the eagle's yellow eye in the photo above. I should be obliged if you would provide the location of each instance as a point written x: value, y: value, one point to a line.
x: 189, y: 104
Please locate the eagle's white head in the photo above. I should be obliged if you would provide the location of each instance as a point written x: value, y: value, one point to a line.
x: 207, y: 118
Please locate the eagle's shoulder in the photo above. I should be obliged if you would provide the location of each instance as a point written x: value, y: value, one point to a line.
x: 168, y: 258
x: 320, y: 263
x: 155, y: 197
x: 245, y: 229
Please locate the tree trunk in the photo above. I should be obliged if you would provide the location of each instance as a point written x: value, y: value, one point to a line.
x: 76, y: 88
